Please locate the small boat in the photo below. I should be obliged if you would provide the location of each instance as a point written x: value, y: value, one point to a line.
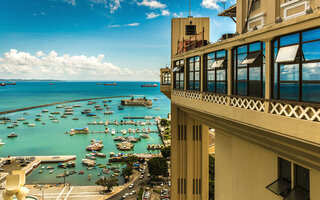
x: 111, y: 84
x: 120, y: 108
x: 149, y: 107
x: 12, y: 135
x: 108, y: 113
x: 40, y: 171
x: 39, y: 115
x: 1, y: 143
x: 109, y: 100
x: 51, y: 171
x: 44, y: 111
x: 50, y: 167
x: 21, y: 119
x: 149, y: 85
x: 11, y: 126
x: 90, y: 114
x: 75, y: 118
x: 157, y: 109
x: 31, y: 125
x: 155, y: 99
x: 55, y: 121
x: 144, y: 135
x: 42, y: 167
x: 64, y: 116
x: 25, y: 122
x: 61, y: 106
x: 113, y: 132
x: 76, y: 106
x: 37, y: 119
x: 116, y: 174
x: 81, y: 172
x: 43, y: 123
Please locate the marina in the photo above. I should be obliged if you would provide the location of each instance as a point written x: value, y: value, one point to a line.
x: 47, y: 136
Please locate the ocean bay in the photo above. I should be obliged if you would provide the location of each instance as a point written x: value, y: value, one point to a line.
x: 50, y: 139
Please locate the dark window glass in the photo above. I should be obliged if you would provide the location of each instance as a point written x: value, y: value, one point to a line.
x: 242, y: 87
x: 289, y: 91
x: 242, y: 49
x: 302, y: 177
x: 311, y: 51
x: 311, y: 35
x: 255, y: 47
x: 221, y: 87
x: 290, y: 39
x: 284, y: 170
x: 221, y: 54
x: 311, y: 92
x: 217, y: 75
x: 194, y: 73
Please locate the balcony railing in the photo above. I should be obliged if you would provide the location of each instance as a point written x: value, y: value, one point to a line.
x: 304, y: 111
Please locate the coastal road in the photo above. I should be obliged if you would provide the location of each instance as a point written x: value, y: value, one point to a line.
x: 127, y: 190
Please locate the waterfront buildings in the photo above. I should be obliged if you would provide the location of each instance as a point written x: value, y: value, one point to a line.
x: 259, y: 88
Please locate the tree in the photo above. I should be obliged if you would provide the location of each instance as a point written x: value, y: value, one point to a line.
x: 164, y: 122
x: 166, y: 152
x: 107, y: 183
x: 130, y: 160
x: 158, y: 166
x: 126, y: 173
x: 211, y: 177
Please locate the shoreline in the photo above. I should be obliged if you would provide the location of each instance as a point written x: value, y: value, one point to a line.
x: 45, y: 105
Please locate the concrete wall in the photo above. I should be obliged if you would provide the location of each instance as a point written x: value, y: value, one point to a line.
x: 243, y: 170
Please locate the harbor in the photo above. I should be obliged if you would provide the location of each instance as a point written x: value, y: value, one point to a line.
x: 136, y: 125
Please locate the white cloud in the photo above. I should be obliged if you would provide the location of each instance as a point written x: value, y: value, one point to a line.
x: 113, y: 5
x: 152, y: 4
x: 211, y: 4
x: 133, y: 24
x: 15, y: 64
x: 152, y: 15
x: 178, y: 14
x: 165, y: 13
x: 43, y: 13
x: 117, y: 25
x: 72, y: 2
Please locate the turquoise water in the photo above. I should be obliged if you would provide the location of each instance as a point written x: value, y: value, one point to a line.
x: 50, y: 139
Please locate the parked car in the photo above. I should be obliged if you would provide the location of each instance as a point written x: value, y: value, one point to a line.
x: 131, y: 186
x: 141, y: 177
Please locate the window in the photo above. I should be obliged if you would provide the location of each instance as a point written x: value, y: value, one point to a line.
x: 166, y: 78
x: 193, y: 73
x: 216, y: 72
x: 282, y: 186
x: 255, y: 5
x: 249, y: 67
x: 296, y: 70
x: 178, y: 73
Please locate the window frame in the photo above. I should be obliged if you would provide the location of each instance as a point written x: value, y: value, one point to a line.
x: 215, y: 81
x: 301, y: 61
x: 236, y: 67
x: 193, y: 72
x: 180, y: 74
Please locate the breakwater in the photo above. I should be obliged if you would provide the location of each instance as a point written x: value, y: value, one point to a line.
x: 63, y: 102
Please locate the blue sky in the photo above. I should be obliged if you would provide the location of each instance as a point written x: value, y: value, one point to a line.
x: 94, y: 39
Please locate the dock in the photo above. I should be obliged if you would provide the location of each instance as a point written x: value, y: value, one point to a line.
x: 36, y: 161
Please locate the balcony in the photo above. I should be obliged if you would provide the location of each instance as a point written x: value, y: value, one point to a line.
x: 268, y: 120
x: 165, y: 84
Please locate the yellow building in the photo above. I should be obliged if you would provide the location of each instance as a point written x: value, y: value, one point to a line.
x: 259, y: 88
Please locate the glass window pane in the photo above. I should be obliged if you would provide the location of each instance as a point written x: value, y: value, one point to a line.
x: 242, y: 74
x: 196, y: 85
x: 191, y: 78
x: 191, y: 68
x: 254, y: 73
x: 191, y: 85
x: 197, y: 76
x: 285, y: 170
x: 221, y: 75
x: 196, y: 66
x: 240, y: 59
x: 181, y: 62
x: 311, y: 92
x: 211, y: 75
x: 221, y: 87
x: 197, y: 59
x: 311, y: 50
x: 209, y: 63
x: 289, y: 72
x: 311, y: 71
x: 242, y: 49
x: 303, y: 177
x: 255, y: 47
x: 311, y: 35
x: 242, y: 88
x: 275, y: 91
x: 210, y: 86
x: 182, y: 76
x: 290, y: 39
x: 289, y: 91
x: 255, y: 88
x: 221, y: 54
x: 275, y: 43
x: 287, y: 54
x: 211, y: 56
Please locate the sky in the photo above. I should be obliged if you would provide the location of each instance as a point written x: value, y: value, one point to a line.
x: 95, y: 39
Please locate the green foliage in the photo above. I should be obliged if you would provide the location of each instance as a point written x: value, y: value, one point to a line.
x: 158, y: 166
x: 211, y: 177
x: 107, y: 183
x: 130, y: 160
x: 164, y: 122
x: 140, y: 193
x: 166, y: 152
x: 126, y: 172
x: 157, y: 191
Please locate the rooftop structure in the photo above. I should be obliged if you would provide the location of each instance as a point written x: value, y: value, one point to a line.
x: 259, y: 88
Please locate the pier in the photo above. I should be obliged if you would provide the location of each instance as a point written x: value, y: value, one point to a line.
x: 63, y: 102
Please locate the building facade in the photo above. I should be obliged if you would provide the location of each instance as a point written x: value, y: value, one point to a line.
x: 260, y: 90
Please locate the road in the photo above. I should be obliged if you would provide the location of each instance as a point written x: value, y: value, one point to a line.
x: 127, y: 190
